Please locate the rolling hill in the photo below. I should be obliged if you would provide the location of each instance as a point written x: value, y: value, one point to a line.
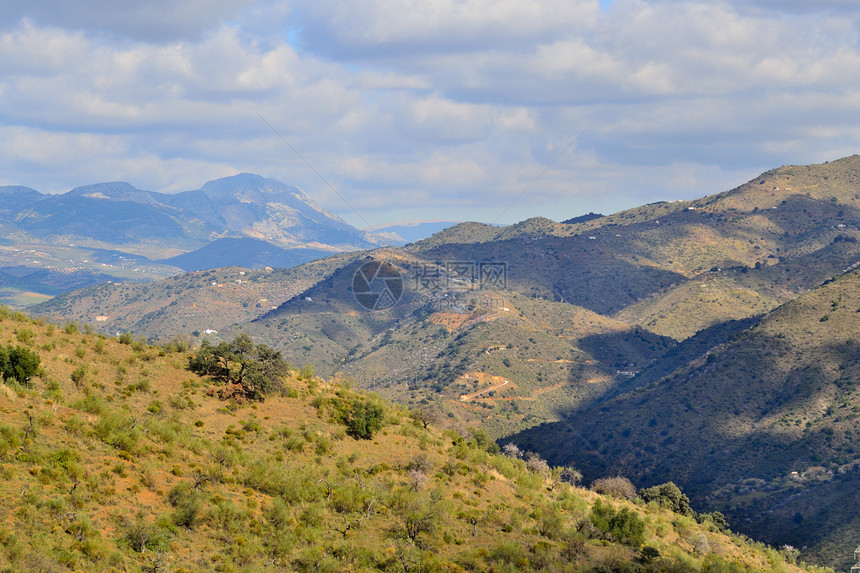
x: 546, y: 356
x: 246, y: 252
x: 115, y: 457
x: 185, y: 304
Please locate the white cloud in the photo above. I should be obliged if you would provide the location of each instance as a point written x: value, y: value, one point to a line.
x: 426, y: 106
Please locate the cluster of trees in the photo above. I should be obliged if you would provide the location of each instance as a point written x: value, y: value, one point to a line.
x: 19, y: 364
x: 249, y: 371
x: 671, y: 497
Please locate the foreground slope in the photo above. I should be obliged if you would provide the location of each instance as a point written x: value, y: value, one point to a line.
x: 115, y: 458
x: 764, y: 427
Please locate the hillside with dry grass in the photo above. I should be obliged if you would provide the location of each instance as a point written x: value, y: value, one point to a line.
x: 115, y: 457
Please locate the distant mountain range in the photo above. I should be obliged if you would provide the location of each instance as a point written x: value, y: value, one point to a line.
x: 118, y: 214
x: 115, y: 230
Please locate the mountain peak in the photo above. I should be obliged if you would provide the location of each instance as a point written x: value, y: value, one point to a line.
x: 242, y: 185
x: 116, y: 190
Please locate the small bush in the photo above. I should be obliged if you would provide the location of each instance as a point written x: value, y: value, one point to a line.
x: 25, y: 335
x: 364, y: 418
x: 619, y: 487
x: 78, y: 375
x: 141, y: 535
x: 188, y: 504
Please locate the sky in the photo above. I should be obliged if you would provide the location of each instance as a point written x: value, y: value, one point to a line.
x: 407, y: 110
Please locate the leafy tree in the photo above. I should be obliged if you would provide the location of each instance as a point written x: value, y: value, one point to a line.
x: 19, y: 364
x: 669, y: 496
x: 364, y: 419
x: 249, y: 371
x: 483, y: 441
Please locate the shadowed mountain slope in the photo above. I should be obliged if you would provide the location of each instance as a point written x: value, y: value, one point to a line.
x: 763, y: 427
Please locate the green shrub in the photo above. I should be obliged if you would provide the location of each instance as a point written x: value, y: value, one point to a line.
x: 118, y: 430
x: 364, y: 419
x: 188, y: 505
x: 715, y: 519
x: 509, y: 553
x: 19, y: 364
x: 624, y: 526
x: 483, y: 441
x: 79, y: 374
x: 10, y: 439
x: 92, y: 404
x: 25, y: 335
x: 140, y: 535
